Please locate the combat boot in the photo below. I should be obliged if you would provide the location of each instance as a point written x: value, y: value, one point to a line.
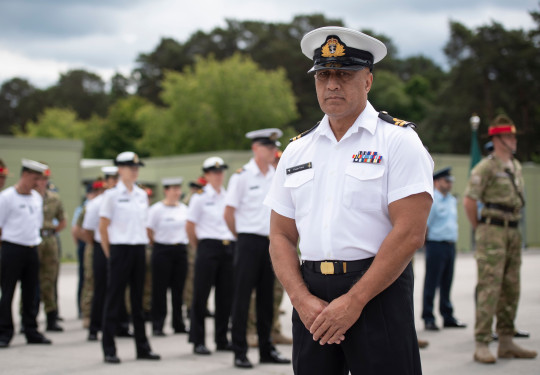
x: 508, y: 349
x: 482, y: 353
x: 52, y: 323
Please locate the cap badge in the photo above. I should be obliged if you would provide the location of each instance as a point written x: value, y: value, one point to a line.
x: 367, y: 157
x: 333, y: 48
x: 135, y: 158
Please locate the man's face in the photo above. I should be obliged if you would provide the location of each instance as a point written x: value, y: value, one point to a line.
x: 111, y: 181
x: 215, y: 177
x: 505, y: 141
x: 129, y: 172
x: 31, y: 179
x: 443, y: 185
x: 42, y: 182
x: 343, y: 93
x: 264, y: 152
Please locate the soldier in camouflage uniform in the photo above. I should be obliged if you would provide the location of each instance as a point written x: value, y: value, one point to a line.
x: 497, y: 182
x: 54, y: 221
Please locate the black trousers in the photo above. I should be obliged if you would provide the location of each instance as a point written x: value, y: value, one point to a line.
x: 382, y: 341
x: 99, y: 268
x: 440, y: 257
x: 126, y: 265
x: 18, y: 263
x: 213, y: 266
x: 81, y: 245
x: 169, y: 270
x: 252, y: 270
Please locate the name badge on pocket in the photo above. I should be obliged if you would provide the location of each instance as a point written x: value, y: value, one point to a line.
x: 299, y: 168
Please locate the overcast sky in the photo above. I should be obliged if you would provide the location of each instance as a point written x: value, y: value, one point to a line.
x: 39, y: 39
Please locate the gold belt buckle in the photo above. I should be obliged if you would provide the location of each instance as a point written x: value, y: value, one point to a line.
x: 327, y: 268
x: 226, y: 242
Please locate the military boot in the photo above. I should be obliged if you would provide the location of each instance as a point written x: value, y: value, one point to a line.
x: 508, y: 349
x: 52, y: 323
x: 482, y: 353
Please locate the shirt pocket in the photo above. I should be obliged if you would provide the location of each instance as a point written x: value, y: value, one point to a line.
x: 363, y: 186
x: 301, y: 187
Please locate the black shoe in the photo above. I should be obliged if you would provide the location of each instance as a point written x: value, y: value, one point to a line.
x: 4, y: 344
x: 124, y: 333
x: 274, y: 357
x: 224, y: 347
x: 59, y: 318
x: 242, y: 362
x: 54, y: 327
x: 455, y: 324
x: 521, y: 334
x: 181, y: 330
x: 208, y: 314
x: 431, y: 326
x: 39, y: 339
x: 111, y: 359
x: 201, y: 349
x: 92, y: 336
x: 52, y: 322
x: 158, y: 333
x: 149, y: 355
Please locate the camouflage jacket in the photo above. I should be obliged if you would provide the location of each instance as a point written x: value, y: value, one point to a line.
x: 491, y: 182
x: 52, y: 209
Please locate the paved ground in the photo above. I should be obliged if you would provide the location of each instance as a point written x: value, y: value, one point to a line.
x: 449, y: 352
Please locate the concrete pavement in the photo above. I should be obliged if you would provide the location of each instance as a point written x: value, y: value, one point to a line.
x: 450, y: 350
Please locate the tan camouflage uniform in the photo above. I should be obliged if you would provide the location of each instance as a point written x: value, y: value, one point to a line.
x: 49, y: 262
x: 498, y: 248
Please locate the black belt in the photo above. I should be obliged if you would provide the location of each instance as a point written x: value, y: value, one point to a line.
x: 498, y: 222
x: 502, y: 207
x: 47, y: 232
x: 169, y: 244
x: 216, y: 242
x: 446, y: 242
x: 337, y: 267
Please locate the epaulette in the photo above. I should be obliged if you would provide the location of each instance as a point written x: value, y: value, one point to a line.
x: 200, y: 191
x: 304, y: 133
x: 383, y: 115
x: 240, y: 170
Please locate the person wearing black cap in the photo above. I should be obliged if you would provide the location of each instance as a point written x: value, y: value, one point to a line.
x: 21, y: 218
x: 166, y: 228
x: 441, y: 252
x: 122, y: 226
x: 208, y: 233
x: 249, y: 220
x: 354, y: 194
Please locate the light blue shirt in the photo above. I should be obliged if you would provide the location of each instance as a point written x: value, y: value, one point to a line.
x: 442, y: 220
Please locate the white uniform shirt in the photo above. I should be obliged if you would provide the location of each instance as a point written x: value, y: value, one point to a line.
x: 246, y: 192
x: 91, y: 217
x: 206, y: 210
x: 339, y: 203
x: 168, y: 223
x: 128, y: 214
x: 21, y: 217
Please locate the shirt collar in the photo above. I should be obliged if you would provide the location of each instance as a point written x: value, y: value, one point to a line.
x: 252, y: 166
x: 367, y: 120
x: 211, y: 191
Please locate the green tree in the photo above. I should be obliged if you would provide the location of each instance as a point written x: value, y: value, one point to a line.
x: 212, y: 105
x: 54, y: 123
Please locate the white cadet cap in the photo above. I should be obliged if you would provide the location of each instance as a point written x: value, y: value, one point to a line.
x: 268, y: 136
x: 171, y: 181
x: 334, y: 47
x: 34, y: 165
x: 110, y: 170
x: 214, y: 163
x: 128, y: 158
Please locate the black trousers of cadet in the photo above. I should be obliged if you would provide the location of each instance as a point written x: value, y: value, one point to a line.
x: 213, y: 266
x: 169, y: 270
x: 18, y: 263
x: 440, y: 257
x: 252, y: 269
x: 126, y: 265
x: 99, y: 268
x: 382, y: 341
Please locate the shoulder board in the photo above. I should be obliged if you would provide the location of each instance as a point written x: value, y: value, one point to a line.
x: 240, y: 170
x: 200, y: 191
x: 304, y: 133
x: 383, y: 115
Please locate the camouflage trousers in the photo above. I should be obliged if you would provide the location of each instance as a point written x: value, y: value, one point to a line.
x: 87, y: 293
x: 498, y: 258
x: 49, y: 265
x: 188, y: 287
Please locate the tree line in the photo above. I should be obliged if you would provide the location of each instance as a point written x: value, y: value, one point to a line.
x: 205, y: 93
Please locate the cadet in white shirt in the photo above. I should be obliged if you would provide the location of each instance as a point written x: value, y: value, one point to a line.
x: 167, y: 232
x: 21, y: 218
x: 249, y: 220
x: 356, y: 190
x: 208, y: 233
x: 122, y: 226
